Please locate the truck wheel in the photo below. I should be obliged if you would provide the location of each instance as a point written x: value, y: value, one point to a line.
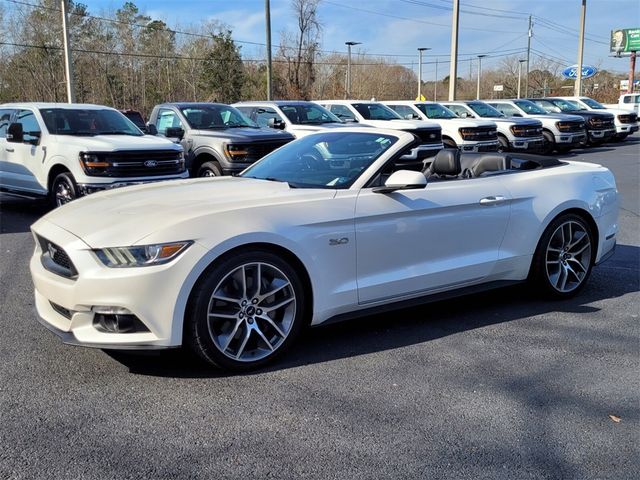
x: 63, y: 189
x: 503, y: 144
x: 209, y: 169
x: 548, y: 143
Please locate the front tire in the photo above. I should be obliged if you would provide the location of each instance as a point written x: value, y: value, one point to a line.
x: 245, y: 311
x: 209, y: 169
x: 63, y: 189
x: 548, y: 143
x: 564, y: 257
x: 503, y: 144
x: 448, y: 143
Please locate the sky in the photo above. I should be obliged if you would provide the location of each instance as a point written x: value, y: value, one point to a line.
x: 398, y: 27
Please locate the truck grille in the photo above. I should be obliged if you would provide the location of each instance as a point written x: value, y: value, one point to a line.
x: 567, y: 127
x: 628, y: 118
x: 427, y: 135
x: 601, y: 123
x: 152, y: 163
x: 526, y: 131
x: 56, y: 260
x: 479, y: 134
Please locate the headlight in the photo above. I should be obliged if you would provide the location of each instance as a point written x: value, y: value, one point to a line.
x: 92, y: 165
x: 140, y: 256
x: 235, y: 152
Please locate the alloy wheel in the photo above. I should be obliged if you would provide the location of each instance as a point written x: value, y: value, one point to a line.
x: 568, y: 256
x: 64, y: 192
x: 251, y: 312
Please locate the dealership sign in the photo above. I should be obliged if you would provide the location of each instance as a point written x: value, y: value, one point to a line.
x: 572, y: 72
x: 625, y: 40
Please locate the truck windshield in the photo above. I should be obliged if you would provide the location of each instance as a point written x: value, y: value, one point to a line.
x: 214, y: 116
x: 529, y: 107
x: 435, y: 110
x: 564, y: 106
x: 485, y: 111
x: 78, y: 121
x: 376, y: 111
x: 592, y: 103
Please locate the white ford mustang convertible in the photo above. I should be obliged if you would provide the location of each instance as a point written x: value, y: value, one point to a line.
x: 333, y: 225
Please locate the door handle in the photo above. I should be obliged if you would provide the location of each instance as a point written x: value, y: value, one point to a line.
x: 10, y: 149
x: 493, y: 200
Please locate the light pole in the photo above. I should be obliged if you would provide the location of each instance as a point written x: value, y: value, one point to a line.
x: 267, y: 15
x: 583, y: 13
x: 420, y: 50
x: 520, y: 62
x: 68, y: 64
x: 480, y: 57
x: 347, y: 92
x: 435, y: 84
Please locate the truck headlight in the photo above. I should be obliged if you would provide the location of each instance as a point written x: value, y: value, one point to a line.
x: 235, y: 152
x: 92, y: 164
x: 140, y: 256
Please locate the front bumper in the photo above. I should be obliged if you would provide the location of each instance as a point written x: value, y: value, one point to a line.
x: 527, y: 144
x: 66, y: 306
x: 571, y: 138
x: 626, y: 128
x: 601, y: 134
x: 488, y: 146
x: 87, y: 188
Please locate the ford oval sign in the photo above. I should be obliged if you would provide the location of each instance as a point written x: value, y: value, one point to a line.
x: 151, y: 163
x: 572, y: 72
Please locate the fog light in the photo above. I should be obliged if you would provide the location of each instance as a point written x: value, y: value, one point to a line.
x: 117, y: 320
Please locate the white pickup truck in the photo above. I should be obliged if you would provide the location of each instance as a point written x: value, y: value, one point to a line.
x: 466, y: 134
x: 375, y: 114
x: 627, y: 101
x: 626, y: 121
x: 63, y: 151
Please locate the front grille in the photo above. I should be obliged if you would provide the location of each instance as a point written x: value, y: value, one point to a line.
x: 628, y: 118
x: 257, y: 150
x: 56, y: 260
x: 526, y: 131
x: 427, y: 135
x: 152, y: 163
x: 568, y: 127
x: 601, y: 123
x: 66, y: 313
x: 479, y: 133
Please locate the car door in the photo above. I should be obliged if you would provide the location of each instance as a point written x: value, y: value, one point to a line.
x: 24, y: 160
x: 414, y: 242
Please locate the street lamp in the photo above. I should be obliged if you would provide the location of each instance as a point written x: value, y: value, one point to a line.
x: 347, y: 93
x: 520, y: 62
x: 480, y: 57
x: 420, y: 50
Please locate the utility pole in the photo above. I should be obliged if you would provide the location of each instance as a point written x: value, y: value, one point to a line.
x: 68, y: 67
x: 632, y: 71
x: 453, y: 68
x: 420, y: 50
x: 347, y: 92
x: 435, y: 84
x: 267, y: 15
x: 520, y: 62
x: 526, y: 80
x: 583, y: 13
x: 480, y: 57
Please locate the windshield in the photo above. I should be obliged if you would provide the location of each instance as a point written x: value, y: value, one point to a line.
x: 529, y: 107
x: 564, y: 106
x: 485, y: 111
x: 72, y: 121
x: 592, y: 103
x: 435, y: 110
x: 308, y: 114
x: 375, y: 111
x: 325, y: 160
x: 214, y: 116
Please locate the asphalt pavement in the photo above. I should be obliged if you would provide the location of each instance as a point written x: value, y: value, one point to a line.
x: 500, y: 385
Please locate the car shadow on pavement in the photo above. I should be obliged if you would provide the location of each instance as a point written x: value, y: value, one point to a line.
x: 410, y: 326
x: 18, y: 214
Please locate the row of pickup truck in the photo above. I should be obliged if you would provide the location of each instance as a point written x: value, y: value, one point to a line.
x: 62, y: 151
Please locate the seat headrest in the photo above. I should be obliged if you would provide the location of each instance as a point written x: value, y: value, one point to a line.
x: 446, y: 162
x: 489, y: 163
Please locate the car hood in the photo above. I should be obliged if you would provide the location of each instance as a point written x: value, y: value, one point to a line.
x: 559, y: 116
x: 614, y: 111
x: 399, y: 124
x: 523, y: 122
x: 113, y: 143
x: 298, y: 127
x: 125, y: 216
x: 247, y: 134
x: 465, y: 122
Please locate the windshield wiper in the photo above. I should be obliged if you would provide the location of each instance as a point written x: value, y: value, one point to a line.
x: 239, y: 125
x: 116, y: 132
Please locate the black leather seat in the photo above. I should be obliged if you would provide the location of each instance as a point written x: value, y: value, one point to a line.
x: 446, y: 164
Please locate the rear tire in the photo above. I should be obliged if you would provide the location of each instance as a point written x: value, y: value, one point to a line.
x: 210, y: 169
x: 63, y: 189
x: 564, y: 257
x: 245, y: 311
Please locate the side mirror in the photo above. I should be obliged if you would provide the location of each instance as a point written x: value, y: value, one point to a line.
x: 15, y: 133
x: 174, y: 132
x: 151, y: 129
x: 276, y: 123
x: 403, y: 180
